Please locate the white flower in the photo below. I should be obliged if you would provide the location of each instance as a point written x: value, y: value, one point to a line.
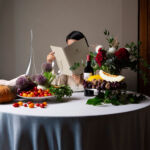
x: 98, y: 47
x: 111, y: 50
x: 128, y: 49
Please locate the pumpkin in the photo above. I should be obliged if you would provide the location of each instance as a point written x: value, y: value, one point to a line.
x: 7, y: 93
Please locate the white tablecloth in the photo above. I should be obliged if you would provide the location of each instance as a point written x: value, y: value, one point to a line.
x: 74, y: 125
x: 74, y: 106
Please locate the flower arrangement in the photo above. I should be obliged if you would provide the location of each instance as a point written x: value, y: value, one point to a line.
x: 115, y: 58
x: 111, y: 61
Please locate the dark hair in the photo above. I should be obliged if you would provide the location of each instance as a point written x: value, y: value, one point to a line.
x: 76, y: 35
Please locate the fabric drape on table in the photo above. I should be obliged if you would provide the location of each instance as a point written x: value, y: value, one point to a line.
x: 124, y: 131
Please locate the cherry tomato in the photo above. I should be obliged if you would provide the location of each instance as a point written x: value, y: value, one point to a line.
x: 35, y: 88
x: 20, y: 94
x: 37, y: 104
x: 25, y: 105
x: 20, y: 103
x: 42, y: 105
x: 35, y: 93
x: 15, y: 104
x: 29, y: 102
x: 31, y: 105
x: 45, y: 103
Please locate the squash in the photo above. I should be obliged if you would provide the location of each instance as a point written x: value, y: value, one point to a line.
x: 7, y: 93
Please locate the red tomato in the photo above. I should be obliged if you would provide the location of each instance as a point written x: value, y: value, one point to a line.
x: 15, y: 104
x: 35, y: 93
x: 35, y: 88
x: 25, y: 105
x: 29, y: 102
x: 20, y: 94
x: 42, y: 105
x: 37, y: 104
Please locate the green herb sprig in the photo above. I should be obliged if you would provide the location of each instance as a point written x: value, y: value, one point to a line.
x: 61, y: 91
x: 115, y: 98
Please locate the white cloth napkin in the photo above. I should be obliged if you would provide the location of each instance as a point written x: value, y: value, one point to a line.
x: 10, y: 82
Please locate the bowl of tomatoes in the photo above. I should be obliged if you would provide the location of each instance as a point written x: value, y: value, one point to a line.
x: 36, y: 93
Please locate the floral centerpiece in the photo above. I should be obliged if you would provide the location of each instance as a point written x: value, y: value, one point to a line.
x: 108, y: 64
x: 115, y: 58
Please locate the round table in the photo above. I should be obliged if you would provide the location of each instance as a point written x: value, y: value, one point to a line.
x: 74, y: 125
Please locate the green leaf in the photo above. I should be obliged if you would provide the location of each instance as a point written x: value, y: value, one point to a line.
x: 106, y: 32
x: 107, y: 93
x: 94, y: 101
x: 49, y: 76
x: 107, y: 100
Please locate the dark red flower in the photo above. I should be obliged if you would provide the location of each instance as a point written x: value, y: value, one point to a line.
x: 100, y: 57
x: 122, y: 54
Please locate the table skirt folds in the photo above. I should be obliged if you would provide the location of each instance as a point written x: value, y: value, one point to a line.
x: 124, y: 131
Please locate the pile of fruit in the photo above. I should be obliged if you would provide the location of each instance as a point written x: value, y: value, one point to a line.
x: 105, y: 81
x: 40, y: 85
x: 30, y: 104
x: 35, y: 93
x: 104, y: 85
x: 111, y: 89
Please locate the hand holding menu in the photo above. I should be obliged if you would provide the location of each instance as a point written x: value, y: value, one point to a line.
x: 67, y: 56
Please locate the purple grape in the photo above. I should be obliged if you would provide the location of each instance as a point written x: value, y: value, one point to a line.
x: 103, y: 85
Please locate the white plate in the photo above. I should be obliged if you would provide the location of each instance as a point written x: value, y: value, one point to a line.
x: 37, y: 98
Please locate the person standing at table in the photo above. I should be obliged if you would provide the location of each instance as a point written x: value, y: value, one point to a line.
x: 75, y: 81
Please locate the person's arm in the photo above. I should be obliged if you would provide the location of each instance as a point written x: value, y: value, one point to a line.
x: 51, y: 57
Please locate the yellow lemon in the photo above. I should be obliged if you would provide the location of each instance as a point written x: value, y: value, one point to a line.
x: 96, y: 77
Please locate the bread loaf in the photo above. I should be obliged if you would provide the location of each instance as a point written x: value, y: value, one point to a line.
x: 7, y: 93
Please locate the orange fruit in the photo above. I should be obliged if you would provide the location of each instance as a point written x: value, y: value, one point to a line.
x: 45, y: 103
x: 31, y: 105
x: 20, y: 103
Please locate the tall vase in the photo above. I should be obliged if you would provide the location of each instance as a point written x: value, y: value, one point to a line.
x: 31, y: 69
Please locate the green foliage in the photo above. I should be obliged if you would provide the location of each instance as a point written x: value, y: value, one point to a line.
x: 95, y: 101
x: 75, y: 66
x: 133, y: 49
x: 49, y: 76
x: 106, y: 32
x: 61, y: 91
x: 115, y: 98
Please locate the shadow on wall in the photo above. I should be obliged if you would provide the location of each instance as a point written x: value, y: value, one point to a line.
x: 7, y: 40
